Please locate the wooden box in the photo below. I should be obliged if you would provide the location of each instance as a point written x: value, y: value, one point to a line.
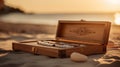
x: 86, y: 37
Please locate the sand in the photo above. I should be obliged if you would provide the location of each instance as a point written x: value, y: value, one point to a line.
x: 9, y: 58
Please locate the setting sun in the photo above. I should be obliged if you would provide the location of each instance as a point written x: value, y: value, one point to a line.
x: 117, y: 18
x: 114, y: 1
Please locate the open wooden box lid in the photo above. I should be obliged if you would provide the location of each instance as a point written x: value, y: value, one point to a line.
x: 84, y: 32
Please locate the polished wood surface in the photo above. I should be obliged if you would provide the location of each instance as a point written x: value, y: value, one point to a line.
x: 92, y: 34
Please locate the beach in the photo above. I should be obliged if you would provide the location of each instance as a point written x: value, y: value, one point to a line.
x: 10, y: 58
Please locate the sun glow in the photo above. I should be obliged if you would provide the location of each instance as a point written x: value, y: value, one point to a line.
x: 117, y: 18
x: 65, y: 6
x: 114, y: 1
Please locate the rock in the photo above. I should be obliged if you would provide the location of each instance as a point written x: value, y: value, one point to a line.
x: 77, y: 57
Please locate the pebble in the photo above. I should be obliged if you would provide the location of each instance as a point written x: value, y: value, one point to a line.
x: 77, y: 57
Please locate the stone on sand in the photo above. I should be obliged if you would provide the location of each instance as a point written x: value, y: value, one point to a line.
x: 77, y: 57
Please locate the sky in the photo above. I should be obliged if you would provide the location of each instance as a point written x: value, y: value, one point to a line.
x: 65, y: 6
x: 50, y: 11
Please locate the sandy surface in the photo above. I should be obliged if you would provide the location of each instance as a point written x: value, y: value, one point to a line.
x: 9, y: 58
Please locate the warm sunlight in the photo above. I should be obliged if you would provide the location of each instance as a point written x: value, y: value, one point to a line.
x: 114, y: 1
x: 117, y: 18
x: 65, y: 6
x: 59, y: 33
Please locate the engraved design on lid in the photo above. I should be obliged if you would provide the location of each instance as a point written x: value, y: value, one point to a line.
x: 82, y: 31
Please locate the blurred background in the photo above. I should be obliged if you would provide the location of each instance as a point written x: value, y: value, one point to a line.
x: 50, y: 11
x: 42, y: 16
